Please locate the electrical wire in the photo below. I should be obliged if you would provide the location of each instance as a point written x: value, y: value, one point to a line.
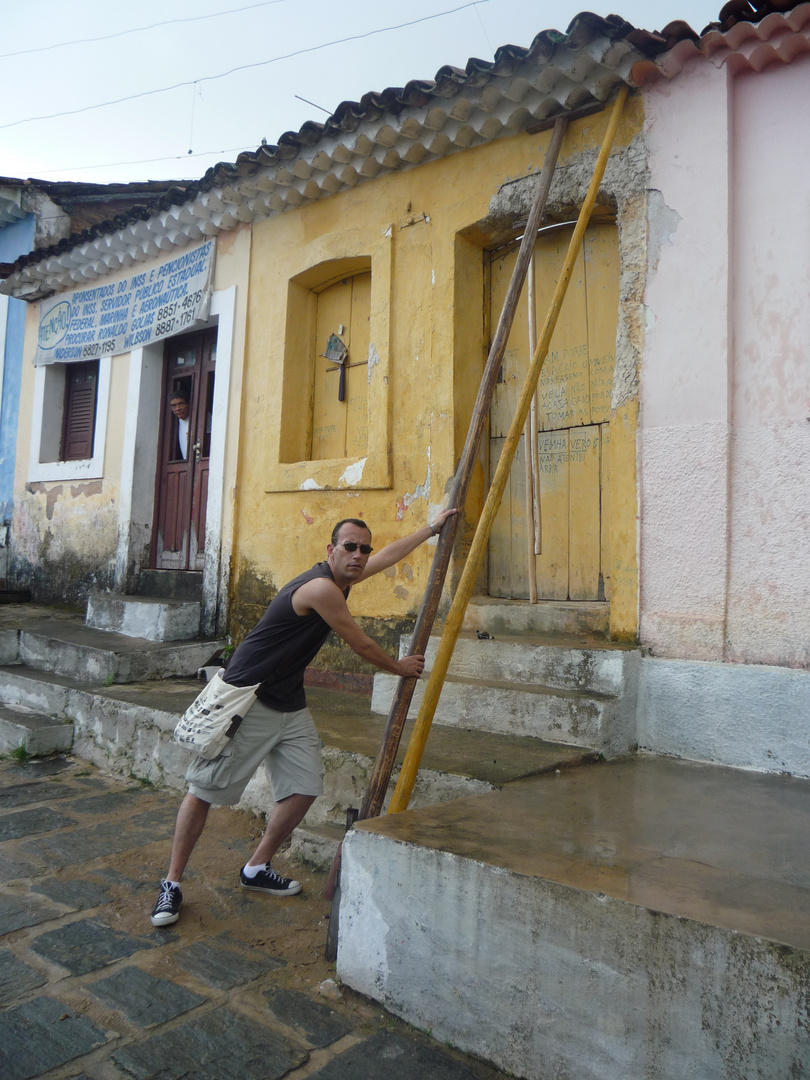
x: 245, y: 67
x: 150, y: 161
x: 138, y: 29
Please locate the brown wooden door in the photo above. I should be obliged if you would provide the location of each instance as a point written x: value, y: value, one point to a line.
x: 185, y: 448
x: 573, y: 429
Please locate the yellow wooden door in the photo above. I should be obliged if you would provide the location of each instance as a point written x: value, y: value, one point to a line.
x: 573, y: 429
x: 340, y: 428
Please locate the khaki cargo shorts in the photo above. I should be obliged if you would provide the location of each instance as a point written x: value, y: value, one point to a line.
x: 288, y: 744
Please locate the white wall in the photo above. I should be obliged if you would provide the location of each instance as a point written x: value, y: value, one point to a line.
x: 725, y: 526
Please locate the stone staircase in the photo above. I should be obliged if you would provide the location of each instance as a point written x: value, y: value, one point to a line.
x: 58, y: 670
x: 166, y: 607
x: 515, y: 705
x: 522, y: 698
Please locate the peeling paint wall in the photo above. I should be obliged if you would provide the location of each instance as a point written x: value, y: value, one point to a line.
x: 725, y: 524
x: 425, y: 232
x: 69, y: 538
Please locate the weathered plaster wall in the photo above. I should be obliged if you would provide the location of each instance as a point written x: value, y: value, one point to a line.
x: 685, y: 398
x: 68, y: 536
x: 64, y: 533
x: 725, y: 492
x: 438, y: 218
x: 769, y: 585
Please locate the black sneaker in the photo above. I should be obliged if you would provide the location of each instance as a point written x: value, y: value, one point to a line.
x: 268, y: 881
x: 167, y: 908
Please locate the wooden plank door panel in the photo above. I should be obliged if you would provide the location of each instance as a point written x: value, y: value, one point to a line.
x: 584, y: 534
x: 552, y: 563
x: 357, y: 374
x: 602, y: 281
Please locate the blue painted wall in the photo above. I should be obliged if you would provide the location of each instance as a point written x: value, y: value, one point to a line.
x: 15, y: 240
x: 12, y: 375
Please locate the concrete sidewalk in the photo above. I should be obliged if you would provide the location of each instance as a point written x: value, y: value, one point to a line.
x: 238, y: 988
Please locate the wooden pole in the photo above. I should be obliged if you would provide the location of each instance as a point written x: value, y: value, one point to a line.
x: 452, y: 627
x: 528, y: 473
x: 534, y: 414
x: 395, y: 725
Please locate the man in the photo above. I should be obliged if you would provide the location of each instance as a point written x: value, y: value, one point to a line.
x: 278, y: 727
x: 180, y: 410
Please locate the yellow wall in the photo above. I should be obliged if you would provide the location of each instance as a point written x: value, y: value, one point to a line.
x: 424, y: 230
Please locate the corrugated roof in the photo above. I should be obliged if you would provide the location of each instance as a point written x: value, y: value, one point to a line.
x: 521, y: 89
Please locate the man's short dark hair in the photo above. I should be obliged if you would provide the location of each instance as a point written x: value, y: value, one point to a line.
x: 348, y: 521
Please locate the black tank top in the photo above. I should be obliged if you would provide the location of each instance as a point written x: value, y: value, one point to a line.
x: 279, y: 648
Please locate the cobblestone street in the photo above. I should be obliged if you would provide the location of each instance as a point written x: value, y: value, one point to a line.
x: 238, y: 988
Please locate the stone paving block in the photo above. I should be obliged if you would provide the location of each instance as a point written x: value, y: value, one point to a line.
x: 107, y: 838
x: 217, y: 962
x: 14, y: 868
x: 42, y: 1035
x: 28, y: 822
x: 16, y: 977
x: 78, y: 894
x: 116, y: 877
x: 19, y: 911
x: 222, y: 1044
x: 49, y: 766
x: 41, y: 791
x: 87, y: 945
x: 316, y: 1022
x: 390, y: 1055
x: 142, y: 998
x: 107, y: 803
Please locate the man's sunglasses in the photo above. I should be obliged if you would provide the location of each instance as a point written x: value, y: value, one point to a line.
x: 365, y: 549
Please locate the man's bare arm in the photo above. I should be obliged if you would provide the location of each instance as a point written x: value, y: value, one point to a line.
x: 397, y: 550
x: 325, y: 597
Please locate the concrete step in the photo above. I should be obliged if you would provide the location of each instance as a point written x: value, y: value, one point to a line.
x: 171, y: 584
x: 569, y: 664
x: 317, y: 845
x: 589, y: 619
x: 522, y: 685
x: 619, y: 915
x: 578, y: 717
x: 67, y: 647
x: 455, y: 764
x: 128, y: 729
x: 124, y: 729
x: 152, y: 618
x: 38, y: 734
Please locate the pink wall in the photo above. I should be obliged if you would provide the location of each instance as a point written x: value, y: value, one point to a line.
x: 725, y: 443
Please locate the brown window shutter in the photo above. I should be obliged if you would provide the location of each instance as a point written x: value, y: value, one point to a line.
x: 81, y: 385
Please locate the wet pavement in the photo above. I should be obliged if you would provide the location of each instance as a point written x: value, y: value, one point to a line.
x: 238, y: 988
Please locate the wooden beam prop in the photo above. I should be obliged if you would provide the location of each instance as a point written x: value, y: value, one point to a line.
x: 452, y: 627
x: 395, y: 725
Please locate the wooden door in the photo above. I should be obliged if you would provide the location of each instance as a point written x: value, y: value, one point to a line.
x: 573, y: 429
x: 185, y: 446
x: 340, y: 428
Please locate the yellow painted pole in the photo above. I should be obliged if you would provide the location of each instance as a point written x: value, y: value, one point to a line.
x: 455, y: 617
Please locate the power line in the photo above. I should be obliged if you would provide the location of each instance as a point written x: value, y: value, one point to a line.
x: 149, y: 161
x: 139, y: 29
x: 246, y: 67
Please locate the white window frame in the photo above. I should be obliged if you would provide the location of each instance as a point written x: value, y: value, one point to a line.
x: 46, y: 428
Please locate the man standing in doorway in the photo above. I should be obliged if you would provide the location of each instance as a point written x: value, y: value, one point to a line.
x: 278, y: 727
x: 180, y: 410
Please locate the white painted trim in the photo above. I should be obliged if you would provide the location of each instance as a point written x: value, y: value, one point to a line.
x: 88, y: 469
x: 141, y: 435
x: 215, y: 568
x: 136, y: 513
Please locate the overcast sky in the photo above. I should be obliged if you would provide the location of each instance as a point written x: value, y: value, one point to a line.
x: 268, y: 55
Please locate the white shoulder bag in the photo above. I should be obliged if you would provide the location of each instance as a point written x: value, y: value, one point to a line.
x: 214, y: 716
